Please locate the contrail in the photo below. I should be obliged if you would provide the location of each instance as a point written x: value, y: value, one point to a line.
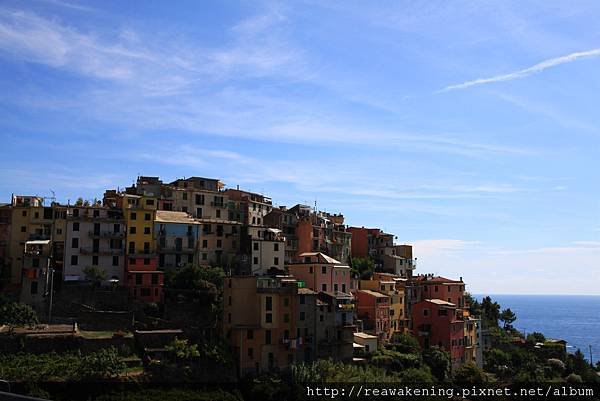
x: 525, y: 72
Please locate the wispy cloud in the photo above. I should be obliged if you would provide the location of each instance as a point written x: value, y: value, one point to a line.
x: 539, y: 67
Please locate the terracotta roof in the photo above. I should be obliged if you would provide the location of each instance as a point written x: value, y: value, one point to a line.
x: 374, y: 293
x: 167, y: 216
x: 327, y: 258
x: 439, y: 302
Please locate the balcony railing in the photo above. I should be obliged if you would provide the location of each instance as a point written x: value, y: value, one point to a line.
x: 107, y: 234
x: 174, y: 249
x: 100, y: 251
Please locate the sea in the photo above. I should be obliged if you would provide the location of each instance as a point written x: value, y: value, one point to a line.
x: 574, y: 318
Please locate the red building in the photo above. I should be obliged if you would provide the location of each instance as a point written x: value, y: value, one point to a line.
x: 437, y: 287
x: 439, y: 323
x: 321, y: 272
x: 374, y: 309
x: 145, y: 281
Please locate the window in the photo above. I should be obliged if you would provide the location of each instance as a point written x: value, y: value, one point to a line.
x: 425, y: 312
x: 250, y: 353
x: 147, y: 217
x: 267, y: 336
x: 255, y: 245
x: 199, y: 212
x: 276, y: 247
x: 132, y: 230
x: 146, y: 230
x: 146, y: 261
x: 150, y: 202
x: 286, y: 302
x: 219, y: 243
x: 343, y: 287
x: 76, y: 226
x: 323, y: 269
x: 320, y: 318
x: 443, y: 312
x: 269, y: 318
x: 23, y: 229
x: 435, y: 288
x: 335, y: 287
x: 133, y: 216
x: 138, y: 279
x: 199, y: 199
x: 24, y: 213
x: 323, y: 287
x: 58, y: 231
x: 184, y: 195
x: 115, y: 261
x: 34, y: 288
x: 116, y: 228
x: 132, y: 261
x: 310, y: 269
x: 35, y: 262
x: 276, y: 261
x: 269, y: 303
x: 204, y: 256
x: 74, y: 260
x: 218, y: 213
x: 154, y: 278
x: 302, y: 299
x: 145, y: 292
x: 95, y: 260
x: 204, y: 243
x: 250, y: 334
x: 302, y: 316
x: 255, y: 260
x: 75, y: 243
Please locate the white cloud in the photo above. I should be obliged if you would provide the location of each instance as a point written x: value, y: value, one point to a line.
x: 539, y: 67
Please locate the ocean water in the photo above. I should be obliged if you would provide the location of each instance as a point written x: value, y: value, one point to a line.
x: 574, y: 318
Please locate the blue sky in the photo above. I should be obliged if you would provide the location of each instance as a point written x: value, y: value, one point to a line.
x: 470, y: 129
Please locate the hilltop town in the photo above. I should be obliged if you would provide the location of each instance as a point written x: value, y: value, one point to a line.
x: 298, y: 284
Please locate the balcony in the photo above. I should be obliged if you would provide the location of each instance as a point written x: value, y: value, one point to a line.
x: 100, y: 251
x: 175, y: 249
x: 107, y: 234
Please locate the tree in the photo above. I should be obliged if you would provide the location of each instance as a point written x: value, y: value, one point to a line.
x: 490, y: 312
x: 508, y: 317
x: 193, y: 277
x: 468, y: 374
x: 16, y: 314
x: 474, y: 306
x: 363, y: 267
x: 182, y: 349
x: 536, y: 337
x: 95, y: 274
x: 404, y: 342
x: 438, y: 361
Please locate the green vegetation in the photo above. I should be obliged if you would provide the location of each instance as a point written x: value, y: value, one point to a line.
x: 362, y: 267
x: 16, y: 314
x: 193, y: 277
x: 95, y: 275
x: 103, y: 364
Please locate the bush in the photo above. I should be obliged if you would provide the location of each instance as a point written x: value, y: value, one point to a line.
x: 16, y: 314
x: 469, y: 374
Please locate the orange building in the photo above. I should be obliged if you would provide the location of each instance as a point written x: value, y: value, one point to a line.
x: 374, y: 309
x: 321, y: 272
x: 437, y: 287
x: 260, y: 316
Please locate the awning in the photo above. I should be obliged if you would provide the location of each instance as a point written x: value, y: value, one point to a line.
x: 38, y: 242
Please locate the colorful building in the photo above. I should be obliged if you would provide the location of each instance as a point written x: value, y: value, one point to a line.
x: 266, y: 247
x: 335, y: 326
x: 260, y: 316
x: 95, y: 236
x: 439, y: 323
x: 143, y: 278
x: 373, y: 308
x: 394, y: 287
x: 176, y: 235
x: 437, y: 287
x: 321, y: 273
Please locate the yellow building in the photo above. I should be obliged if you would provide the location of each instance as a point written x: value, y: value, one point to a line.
x: 394, y: 287
x: 35, y: 244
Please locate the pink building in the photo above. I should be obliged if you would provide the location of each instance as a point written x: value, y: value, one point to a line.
x: 374, y: 309
x: 321, y: 272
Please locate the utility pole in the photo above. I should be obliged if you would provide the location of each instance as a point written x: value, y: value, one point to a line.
x: 51, y: 271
